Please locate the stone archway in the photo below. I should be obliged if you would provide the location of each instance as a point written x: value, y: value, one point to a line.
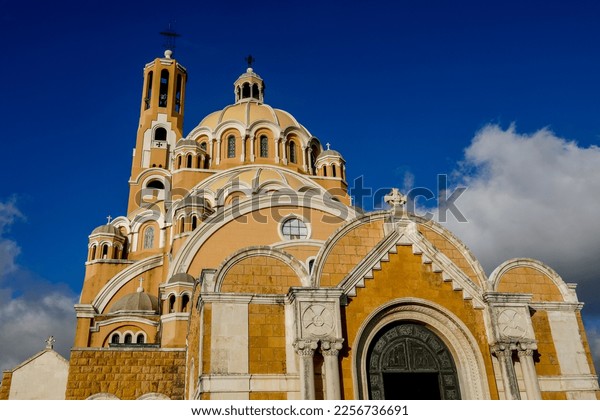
x: 460, y: 343
x: 408, y: 361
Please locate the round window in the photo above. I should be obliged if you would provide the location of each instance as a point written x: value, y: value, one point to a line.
x: 294, y: 229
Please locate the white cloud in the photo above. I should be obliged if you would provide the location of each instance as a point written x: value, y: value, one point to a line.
x: 532, y: 196
x: 26, y: 322
x: 31, y: 308
x: 9, y: 250
x: 538, y: 196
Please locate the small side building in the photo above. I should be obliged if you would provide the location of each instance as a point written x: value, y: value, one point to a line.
x: 41, y: 377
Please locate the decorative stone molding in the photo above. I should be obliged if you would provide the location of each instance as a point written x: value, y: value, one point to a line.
x: 317, y: 313
x: 509, y: 319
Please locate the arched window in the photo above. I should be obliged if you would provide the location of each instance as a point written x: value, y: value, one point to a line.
x: 114, y: 339
x: 172, y: 304
x: 105, y: 251
x: 149, y: 238
x: 294, y: 228
x: 179, y: 162
x: 238, y: 93
x: 203, y: 146
x: 246, y: 90
x: 231, y: 146
x: 140, y: 339
x: 189, y: 161
x: 199, y: 162
x: 325, y: 170
x: 292, y: 152
x: 185, y: 300
x: 164, y: 88
x: 93, y: 253
x: 311, y: 264
x: 178, y: 94
x: 314, y: 152
x: 128, y: 338
x: 148, y: 97
x: 333, y: 173
x: 255, y: 91
x: 264, y: 146
x: 194, y: 222
x: 160, y: 134
x: 156, y: 184
x: 181, y: 223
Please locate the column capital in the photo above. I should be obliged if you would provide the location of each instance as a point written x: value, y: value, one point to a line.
x: 331, y: 347
x: 525, y: 353
x: 305, y: 348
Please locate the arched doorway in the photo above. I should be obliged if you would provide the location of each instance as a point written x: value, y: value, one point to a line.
x: 408, y: 361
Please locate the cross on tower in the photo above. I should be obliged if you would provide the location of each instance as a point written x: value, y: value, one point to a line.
x: 108, y: 218
x: 327, y: 144
x: 170, y: 36
x: 250, y: 60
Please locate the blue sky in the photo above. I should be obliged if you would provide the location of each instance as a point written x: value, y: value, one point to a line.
x: 503, y: 96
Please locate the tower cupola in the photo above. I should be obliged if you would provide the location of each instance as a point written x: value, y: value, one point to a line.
x: 249, y: 86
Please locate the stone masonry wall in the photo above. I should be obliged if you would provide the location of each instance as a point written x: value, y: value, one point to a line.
x: 126, y: 373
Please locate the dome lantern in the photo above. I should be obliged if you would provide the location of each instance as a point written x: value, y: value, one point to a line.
x: 249, y: 86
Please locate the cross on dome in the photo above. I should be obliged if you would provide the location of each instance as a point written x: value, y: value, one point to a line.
x: 328, y: 145
x: 108, y: 218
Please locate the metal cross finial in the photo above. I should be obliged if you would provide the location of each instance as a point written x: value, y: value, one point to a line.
x: 108, y: 218
x: 50, y: 342
x: 170, y: 36
x: 250, y: 60
x: 327, y: 144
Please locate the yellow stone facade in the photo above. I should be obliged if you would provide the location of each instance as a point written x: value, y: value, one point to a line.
x: 241, y: 271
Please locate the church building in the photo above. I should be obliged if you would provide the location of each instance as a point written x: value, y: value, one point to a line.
x: 240, y: 270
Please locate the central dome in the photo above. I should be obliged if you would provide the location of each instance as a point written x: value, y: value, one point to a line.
x: 251, y: 132
x: 249, y: 113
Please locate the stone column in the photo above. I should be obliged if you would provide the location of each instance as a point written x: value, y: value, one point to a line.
x: 305, y: 158
x: 277, y: 142
x: 243, y: 155
x: 509, y: 378
x: 330, y: 351
x: 218, y: 152
x: 306, y: 351
x: 529, y: 374
x: 252, y: 141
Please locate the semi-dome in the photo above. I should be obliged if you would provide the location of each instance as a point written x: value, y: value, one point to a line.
x: 181, y: 278
x: 327, y: 153
x: 107, y: 230
x: 139, y: 301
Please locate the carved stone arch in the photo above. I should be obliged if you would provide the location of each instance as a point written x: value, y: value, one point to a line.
x: 340, y: 233
x: 102, y: 396
x: 153, y: 396
x: 567, y: 293
x: 408, y: 361
x: 296, y: 266
x: 448, y: 329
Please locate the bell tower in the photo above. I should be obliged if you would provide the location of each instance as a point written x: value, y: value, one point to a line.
x: 161, y: 120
